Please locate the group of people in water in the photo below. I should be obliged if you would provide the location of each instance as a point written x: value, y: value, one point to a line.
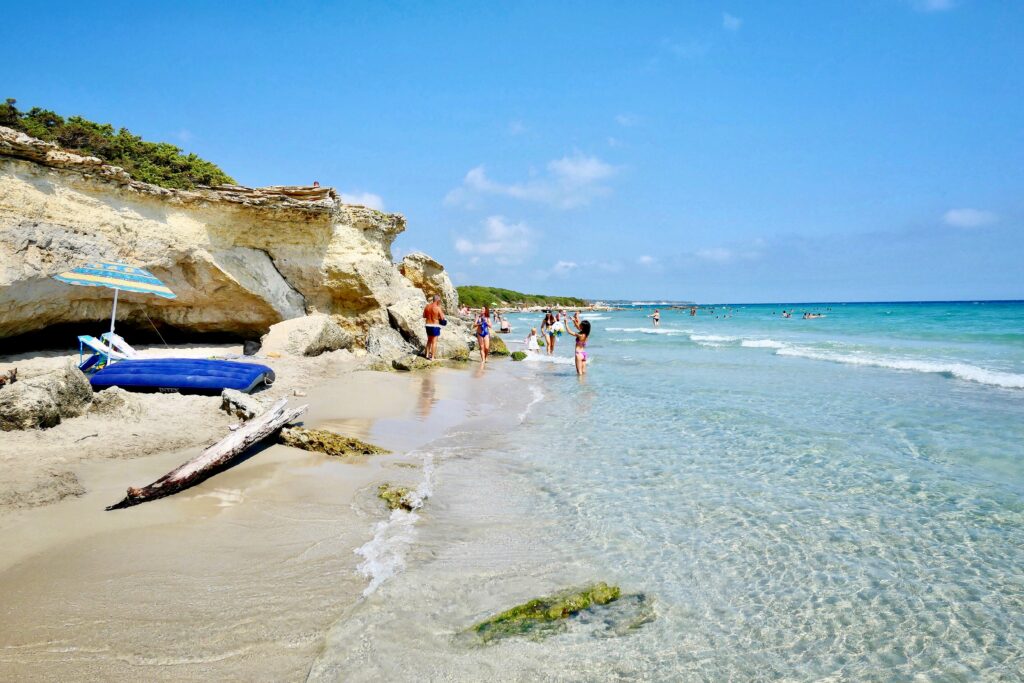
x: 553, y: 325
x: 808, y: 315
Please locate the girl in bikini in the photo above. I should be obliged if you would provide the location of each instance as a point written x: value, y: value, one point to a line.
x: 547, y: 328
x: 582, y: 334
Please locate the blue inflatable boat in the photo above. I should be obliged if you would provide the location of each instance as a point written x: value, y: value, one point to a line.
x: 183, y: 374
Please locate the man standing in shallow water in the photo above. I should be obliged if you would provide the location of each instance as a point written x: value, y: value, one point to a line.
x: 433, y: 314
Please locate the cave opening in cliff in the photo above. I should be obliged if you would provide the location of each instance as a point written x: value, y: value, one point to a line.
x: 64, y: 336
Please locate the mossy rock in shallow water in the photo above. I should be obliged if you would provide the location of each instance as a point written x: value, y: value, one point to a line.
x: 381, y: 366
x: 619, y: 618
x: 544, y: 615
x: 460, y: 355
x: 324, y: 441
x: 410, y: 363
x: 397, y: 497
x: 519, y: 355
x: 498, y: 347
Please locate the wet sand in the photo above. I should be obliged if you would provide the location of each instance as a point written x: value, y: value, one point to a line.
x: 235, y: 579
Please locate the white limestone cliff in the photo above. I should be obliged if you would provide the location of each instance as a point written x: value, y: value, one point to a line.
x: 239, y: 259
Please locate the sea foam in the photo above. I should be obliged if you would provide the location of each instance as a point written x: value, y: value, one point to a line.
x: 538, y: 396
x: 648, y: 330
x: 544, y: 358
x: 384, y: 554
x: 964, y: 371
x: 762, y: 344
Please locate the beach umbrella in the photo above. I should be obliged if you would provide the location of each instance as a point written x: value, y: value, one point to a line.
x: 118, y: 277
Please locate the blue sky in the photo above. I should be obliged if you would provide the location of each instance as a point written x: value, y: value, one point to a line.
x: 737, y: 151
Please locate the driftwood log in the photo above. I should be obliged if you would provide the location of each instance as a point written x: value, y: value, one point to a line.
x: 216, y: 457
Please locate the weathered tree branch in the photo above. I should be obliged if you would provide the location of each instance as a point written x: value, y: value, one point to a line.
x: 215, y: 457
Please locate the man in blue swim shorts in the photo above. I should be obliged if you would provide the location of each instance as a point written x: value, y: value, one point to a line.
x: 433, y: 315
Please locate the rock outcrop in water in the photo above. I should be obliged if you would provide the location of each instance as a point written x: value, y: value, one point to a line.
x: 541, y: 615
x: 398, y: 497
x: 498, y: 347
x: 239, y: 259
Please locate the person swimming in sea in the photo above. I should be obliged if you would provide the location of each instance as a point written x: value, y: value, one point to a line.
x: 657, y: 317
x: 582, y: 334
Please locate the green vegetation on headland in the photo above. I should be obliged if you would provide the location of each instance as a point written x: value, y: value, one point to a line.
x: 159, y: 163
x: 475, y: 296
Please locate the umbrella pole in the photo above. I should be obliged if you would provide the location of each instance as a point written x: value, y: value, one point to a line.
x: 113, y: 313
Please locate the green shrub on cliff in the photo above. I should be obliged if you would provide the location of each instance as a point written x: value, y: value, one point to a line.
x: 475, y: 296
x: 160, y: 163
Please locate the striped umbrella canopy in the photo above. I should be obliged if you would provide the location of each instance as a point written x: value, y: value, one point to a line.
x: 118, y: 277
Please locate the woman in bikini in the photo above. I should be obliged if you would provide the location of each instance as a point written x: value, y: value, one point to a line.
x: 582, y: 334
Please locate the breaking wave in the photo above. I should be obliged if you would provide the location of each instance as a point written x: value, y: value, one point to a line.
x: 648, y: 330
x: 762, y: 344
x: 964, y: 371
x: 954, y: 369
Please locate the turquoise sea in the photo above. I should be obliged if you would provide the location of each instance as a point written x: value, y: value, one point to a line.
x: 784, y: 499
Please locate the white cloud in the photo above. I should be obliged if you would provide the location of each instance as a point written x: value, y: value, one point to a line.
x: 716, y: 254
x: 579, y: 170
x: 646, y: 260
x: 569, y: 182
x: 565, y: 267
x: 373, y: 201
x: 933, y: 5
x: 499, y: 240
x: 561, y: 269
x: 722, y: 255
x: 517, y: 128
x: 626, y: 120
x: 185, y: 135
x: 969, y: 218
x: 731, y: 23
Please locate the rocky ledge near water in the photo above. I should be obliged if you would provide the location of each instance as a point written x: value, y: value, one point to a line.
x: 239, y: 259
x: 44, y: 401
x: 327, y: 442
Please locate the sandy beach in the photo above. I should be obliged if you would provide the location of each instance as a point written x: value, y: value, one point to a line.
x: 236, y: 579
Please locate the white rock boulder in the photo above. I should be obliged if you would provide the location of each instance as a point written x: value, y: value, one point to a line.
x: 309, y: 335
x: 429, y: 276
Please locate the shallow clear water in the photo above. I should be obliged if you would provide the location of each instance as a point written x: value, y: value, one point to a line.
x: 802, y: 499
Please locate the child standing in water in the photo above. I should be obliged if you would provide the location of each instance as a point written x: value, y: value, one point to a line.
x: 582, y: 334
x: 531, y: 341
